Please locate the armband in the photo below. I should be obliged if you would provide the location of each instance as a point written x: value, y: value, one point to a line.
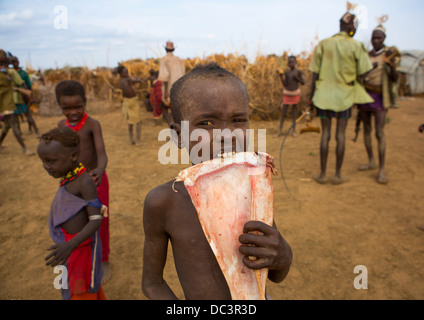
x: 95, y: 217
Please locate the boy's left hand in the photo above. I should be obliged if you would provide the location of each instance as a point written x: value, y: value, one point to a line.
x: 269, y: 247
x: 97, y: 175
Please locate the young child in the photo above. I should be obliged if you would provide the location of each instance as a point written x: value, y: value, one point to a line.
x: 70, y: 96
x: 130, y: 107
x: 75, y: 216
x: 208, y: 97
x: 291, y: 93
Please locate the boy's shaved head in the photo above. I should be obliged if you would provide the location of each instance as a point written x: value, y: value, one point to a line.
x: 69, y: 88
x: 181, y: 93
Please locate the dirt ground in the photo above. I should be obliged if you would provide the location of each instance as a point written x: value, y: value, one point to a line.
x: 331, y: 229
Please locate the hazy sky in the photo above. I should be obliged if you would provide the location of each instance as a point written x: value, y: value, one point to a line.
x: 102, y: 33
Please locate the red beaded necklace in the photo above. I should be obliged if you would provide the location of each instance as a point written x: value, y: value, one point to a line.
x: 79, y: 125
x: 72, y: 175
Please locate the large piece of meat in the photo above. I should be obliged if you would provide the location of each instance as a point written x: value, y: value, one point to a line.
x: 227, y: 192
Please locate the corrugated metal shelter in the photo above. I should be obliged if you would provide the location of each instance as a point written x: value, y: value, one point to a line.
x: 412, y: 66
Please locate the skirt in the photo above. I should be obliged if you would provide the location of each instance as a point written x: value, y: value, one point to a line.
x: 328, y: 114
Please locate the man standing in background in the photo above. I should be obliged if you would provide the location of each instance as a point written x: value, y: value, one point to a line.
x: 170, y: 70
x: 337, y: 65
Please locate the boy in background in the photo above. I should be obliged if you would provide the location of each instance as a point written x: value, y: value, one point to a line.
x: 70, y: 95
x: 291, y: 94
x: 130, y: 107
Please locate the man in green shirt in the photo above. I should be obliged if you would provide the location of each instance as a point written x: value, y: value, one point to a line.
x: 337, y: 64
x: 7, y: 105
x: 21, y: 104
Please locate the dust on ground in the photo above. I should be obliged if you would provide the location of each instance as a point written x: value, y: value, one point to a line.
x: 331, y: 229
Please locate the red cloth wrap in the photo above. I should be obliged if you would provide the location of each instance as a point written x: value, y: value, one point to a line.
x: 291, y: 100
x: 157, y: 99
x: 103, y: 195
x: 80, y: 264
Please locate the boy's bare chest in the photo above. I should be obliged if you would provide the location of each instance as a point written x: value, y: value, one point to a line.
x: 87, y: 148
x: 184, y: 229
x: 86, y: 135
x: 125, y: 84
x: 292, y: 74
x: 184, y: 226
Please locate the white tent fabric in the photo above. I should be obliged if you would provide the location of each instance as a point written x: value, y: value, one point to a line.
x: 412, y: 65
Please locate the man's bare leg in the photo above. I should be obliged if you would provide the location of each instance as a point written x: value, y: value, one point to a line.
x: 130, y: 133
x: 283, y: 116
x: 380, y: 120
x: 11, y: 121
x: 340, y: 150
x: 323, y: 151
x: 294, y: 116
x: 366, y: 120
x: 138, y: 134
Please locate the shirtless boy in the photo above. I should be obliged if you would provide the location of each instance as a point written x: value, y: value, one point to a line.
x: 208, y: 97
x: 291, y: 93
x: 75, y: 216
x: 70, y: 96
x: 130, y: 107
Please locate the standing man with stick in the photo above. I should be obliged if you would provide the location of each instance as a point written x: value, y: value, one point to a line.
x: 380, y: 84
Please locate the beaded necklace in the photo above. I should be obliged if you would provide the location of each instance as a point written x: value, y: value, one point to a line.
x: 79, y: 125
x: 72, y: 175
x: 376, y: 53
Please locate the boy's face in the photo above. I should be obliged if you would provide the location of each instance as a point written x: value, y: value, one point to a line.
x: 73, y: 107
x: 57, y: 159
x: 124, y: 73
x: 215, y: 106
x: 291, y: 63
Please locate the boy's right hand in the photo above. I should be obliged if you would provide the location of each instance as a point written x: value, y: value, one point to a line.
x: 266, y: 244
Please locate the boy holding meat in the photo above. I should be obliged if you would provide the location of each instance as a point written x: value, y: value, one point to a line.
x: 209, y: 98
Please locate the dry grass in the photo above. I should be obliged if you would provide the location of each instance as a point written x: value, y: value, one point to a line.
x: 259, y: 76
